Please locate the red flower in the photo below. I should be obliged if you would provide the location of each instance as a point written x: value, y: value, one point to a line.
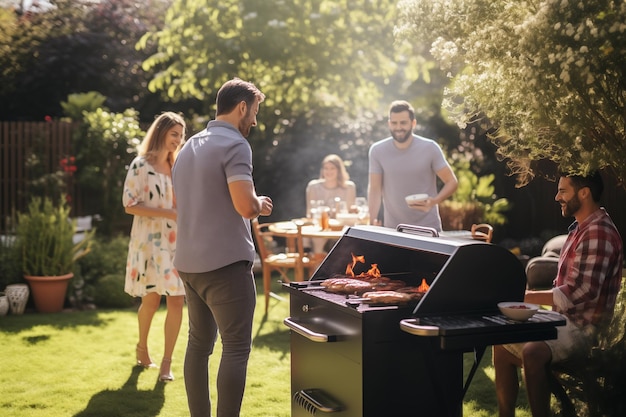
x: 48, y: 119
x: 68, y: 165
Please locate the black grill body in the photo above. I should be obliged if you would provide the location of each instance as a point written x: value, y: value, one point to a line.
x: 357, y: 360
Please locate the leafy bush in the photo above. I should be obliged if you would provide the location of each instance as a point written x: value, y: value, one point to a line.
x: 10, y: 271
x: 108, y: 257
x: 44, y: 238
x: 109, y: 292
x: 77, y: 103
x: 474, y: 201
x: 105, y: 145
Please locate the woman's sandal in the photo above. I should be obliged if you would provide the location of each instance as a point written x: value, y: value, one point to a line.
x: 142, y: 354
x: 165, y: 372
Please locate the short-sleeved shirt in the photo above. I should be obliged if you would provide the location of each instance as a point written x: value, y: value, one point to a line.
x: 405, y: 172
x: 315, y: 190
x: 590, y: 271
x: 588, y: 281
x: 152, y: 245
x: 211, y: 233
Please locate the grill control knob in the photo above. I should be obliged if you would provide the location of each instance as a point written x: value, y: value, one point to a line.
x: 305, y: 308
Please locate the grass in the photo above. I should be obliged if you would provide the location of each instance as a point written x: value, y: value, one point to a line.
x: 81, y: 364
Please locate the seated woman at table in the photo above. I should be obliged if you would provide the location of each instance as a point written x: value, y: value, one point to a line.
x: 333, y: 182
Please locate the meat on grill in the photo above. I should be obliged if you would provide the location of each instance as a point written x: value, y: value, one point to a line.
x: 390, y: 297
x: 359, y: 286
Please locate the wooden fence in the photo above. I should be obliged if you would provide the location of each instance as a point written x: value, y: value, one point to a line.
x: 28, y: 151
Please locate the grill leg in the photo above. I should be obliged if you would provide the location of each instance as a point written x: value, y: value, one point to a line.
x: 437, y: 372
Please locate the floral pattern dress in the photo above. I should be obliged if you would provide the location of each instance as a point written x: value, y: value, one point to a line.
x: 150, y: 267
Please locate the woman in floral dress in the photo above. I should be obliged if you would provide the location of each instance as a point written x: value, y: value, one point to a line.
x: 150, y: 273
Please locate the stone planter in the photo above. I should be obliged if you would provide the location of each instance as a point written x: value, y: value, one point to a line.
x: 49, y: 292
x: 17, y: 295
x: 4, y: 304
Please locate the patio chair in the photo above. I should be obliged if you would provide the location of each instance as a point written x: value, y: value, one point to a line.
x: 541, y: 270
x: 482, y: 231
x: 282, y: 262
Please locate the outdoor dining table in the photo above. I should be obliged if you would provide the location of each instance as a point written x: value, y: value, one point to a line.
x: 289, y: 230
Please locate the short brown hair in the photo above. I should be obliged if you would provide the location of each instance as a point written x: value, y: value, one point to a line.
x: 398, y: 106
x: 234, y: 92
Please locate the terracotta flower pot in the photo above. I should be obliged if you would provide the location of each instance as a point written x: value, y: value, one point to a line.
x: 49, y: 292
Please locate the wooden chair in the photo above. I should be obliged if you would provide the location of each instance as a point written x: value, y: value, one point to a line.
x: 282, y: 262
x: 595, y: 381
x: 482, y: 231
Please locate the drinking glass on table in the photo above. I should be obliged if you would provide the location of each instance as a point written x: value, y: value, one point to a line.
x: 364, y: 215
x: 324, y: 217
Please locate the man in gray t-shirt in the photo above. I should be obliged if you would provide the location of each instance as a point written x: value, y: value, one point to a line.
x: 406, y: 164
x: 215, y: 200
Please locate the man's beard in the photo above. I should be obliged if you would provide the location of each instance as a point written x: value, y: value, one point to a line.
x: 245, y: 125
x: 571, y: 207
x: 401, y: 139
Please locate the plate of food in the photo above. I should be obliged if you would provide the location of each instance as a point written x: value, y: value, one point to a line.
x: 519, y: 311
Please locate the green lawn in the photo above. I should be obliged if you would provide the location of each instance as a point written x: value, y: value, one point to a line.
x: 82, y: 364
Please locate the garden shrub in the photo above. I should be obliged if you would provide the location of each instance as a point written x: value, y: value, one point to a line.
x: 109, y: 292
x: 107, y: 257
x: 10, y: 271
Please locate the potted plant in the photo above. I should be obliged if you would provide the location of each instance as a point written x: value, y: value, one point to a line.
x: 44, y: 239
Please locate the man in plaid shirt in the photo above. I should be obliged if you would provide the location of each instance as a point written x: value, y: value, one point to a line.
x: 585, y: 289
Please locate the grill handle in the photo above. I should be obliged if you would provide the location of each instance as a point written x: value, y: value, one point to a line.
x: 417, y: 230
x: 315, y: 399
x: 308, y: 333
x: 411, y: 326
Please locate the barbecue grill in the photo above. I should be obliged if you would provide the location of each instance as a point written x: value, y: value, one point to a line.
x: 356, y: 359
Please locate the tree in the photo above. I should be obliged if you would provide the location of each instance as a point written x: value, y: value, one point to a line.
x: 324, y: 65
x: 322, y: 58
x: 75, y: 46
x: 547, y: 76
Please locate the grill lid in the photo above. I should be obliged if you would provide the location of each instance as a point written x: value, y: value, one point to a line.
x: 465, y: 276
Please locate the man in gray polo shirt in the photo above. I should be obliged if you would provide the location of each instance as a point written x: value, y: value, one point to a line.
x: 216, y: 199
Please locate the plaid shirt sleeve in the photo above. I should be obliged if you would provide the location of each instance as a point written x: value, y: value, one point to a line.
x: 590, y: 271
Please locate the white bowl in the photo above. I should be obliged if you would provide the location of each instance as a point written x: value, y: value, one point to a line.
x: 415, y: 198
x: 347, y: 219
x: 517, y: 310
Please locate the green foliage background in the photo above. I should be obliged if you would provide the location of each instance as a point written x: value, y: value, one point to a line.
x: 547, y: 76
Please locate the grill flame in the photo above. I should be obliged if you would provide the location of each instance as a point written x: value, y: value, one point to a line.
x: 373, y: 272
x: 355, y: 259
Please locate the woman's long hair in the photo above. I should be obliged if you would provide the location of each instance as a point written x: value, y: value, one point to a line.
x: 154, y: 141
x: 342, y: 173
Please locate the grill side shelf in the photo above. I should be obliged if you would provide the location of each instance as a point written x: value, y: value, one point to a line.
x: 466, y: 333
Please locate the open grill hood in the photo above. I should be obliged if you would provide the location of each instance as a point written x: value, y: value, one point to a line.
x: 465, y: 276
